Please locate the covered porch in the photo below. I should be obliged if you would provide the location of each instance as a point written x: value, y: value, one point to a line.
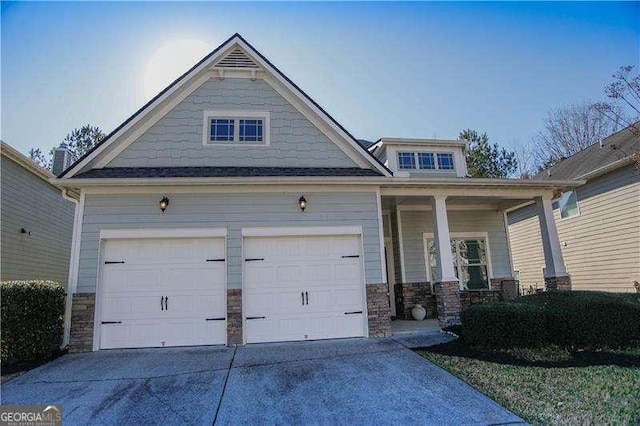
x: 448, y: 248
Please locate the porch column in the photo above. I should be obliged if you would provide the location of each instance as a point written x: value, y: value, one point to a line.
x: 556, y: 276
x: 446, y: 286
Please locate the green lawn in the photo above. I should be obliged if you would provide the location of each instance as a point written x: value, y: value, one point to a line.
x: 551, y: 386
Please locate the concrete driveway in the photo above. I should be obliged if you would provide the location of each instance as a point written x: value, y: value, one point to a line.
x: 354, y: 381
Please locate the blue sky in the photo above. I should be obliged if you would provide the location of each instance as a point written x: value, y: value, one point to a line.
x: 381, y: 69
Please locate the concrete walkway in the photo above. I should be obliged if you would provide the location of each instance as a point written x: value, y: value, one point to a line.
x: 353, y: 381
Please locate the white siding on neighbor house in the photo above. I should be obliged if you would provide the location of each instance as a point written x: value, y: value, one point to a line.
x: 176, y: 139
x: 415, y: 223
x: 31, y: 203
x: 601, y: 246
x: 526, y: 246
x: 231, y: 211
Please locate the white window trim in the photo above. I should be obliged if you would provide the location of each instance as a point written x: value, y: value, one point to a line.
x: 236, y: 115
x: 455, y: 235
x: 416, y: 161
x: 557, y: 200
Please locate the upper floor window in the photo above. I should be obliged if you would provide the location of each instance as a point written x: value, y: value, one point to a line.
x: 568, y: 205
x: 222, y: 129
x: 406, y: 160
x: 445, y: 161
x: 426, y: 161
x: 236, y: 127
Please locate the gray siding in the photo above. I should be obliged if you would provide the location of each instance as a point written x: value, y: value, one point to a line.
x: 31, y: 203
x: 415, y: 223
x: 601, y: 247
x: 232, y: 211
x: 176, y: 139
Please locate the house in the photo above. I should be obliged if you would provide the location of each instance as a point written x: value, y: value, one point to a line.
x: 37, y: 220
x: 233, y: 209
x: 598, y: 222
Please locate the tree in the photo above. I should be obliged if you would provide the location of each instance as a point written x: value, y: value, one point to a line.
x: 78, y: 142
x: 526, y: 161
x: 624, y: 92
x: 36, y: 155
x: 485, y: 160
x: 570, y: 129
x: 82, y: 140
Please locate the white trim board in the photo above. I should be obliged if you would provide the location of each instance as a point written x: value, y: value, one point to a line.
x: 383, y: 263
x: 108, y: 234
x: 296, y: 231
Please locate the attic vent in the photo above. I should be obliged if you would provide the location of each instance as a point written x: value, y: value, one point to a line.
x: 237, y: 59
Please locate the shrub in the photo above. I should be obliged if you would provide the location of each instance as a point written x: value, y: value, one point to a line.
x: 574, y: 319
x: 32, y: 318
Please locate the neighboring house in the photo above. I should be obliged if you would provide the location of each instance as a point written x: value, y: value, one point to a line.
x: 37, y: 221
x: 233, y: 209
x: 598, y: 222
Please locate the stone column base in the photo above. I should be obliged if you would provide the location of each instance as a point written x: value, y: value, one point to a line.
x: 234, y: 317
x: 448, y: 301
x: 557, y: 283
x: 83, y: 307
x: 378, y: 310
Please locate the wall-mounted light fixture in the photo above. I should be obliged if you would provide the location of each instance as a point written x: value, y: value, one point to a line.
x: 302, y: 203
x: 24, y: 231
x: 164, y: 203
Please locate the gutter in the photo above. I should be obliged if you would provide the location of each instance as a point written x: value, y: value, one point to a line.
x: 606, y: 169
x: 322, y: 180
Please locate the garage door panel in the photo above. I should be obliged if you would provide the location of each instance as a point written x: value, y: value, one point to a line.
x: 292, y: 266
x: 174, y: 271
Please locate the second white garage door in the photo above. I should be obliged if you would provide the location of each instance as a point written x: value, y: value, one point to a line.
x: 303, y: 288
x: 163, y: 292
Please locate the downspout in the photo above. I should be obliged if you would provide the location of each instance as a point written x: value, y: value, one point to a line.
x: 69, y: 295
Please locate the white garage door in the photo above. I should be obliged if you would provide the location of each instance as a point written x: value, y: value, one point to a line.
x: 163, y: 292
x: 303, y: 288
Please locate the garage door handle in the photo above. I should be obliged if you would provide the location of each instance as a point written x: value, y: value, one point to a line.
x: 251, y: 318
x: 215, y: 260
x: 111, y: 262
x: 111, y: 322
x: 350, y: 256
x: 254, y: 259
x: 215, y: 319
x: 306, y: 293
x: 353, y: 312
x: 302, y: 294
x: 166, y: 303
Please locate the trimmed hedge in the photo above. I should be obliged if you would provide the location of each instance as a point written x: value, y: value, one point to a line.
x: 32, y: 318
x: 572, y: 319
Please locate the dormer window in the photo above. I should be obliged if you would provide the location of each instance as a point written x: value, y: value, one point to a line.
x: 425, y: 161
x: 246, y: 128
x: 406, y: 160
x: 445, y: 161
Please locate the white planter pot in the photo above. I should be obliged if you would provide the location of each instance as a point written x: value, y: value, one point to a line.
x: 418, y: 312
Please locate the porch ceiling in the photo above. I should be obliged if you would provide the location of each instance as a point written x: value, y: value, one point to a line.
x: 491, y: 202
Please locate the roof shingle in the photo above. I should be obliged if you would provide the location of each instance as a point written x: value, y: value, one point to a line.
x: 616, y: 147
x: 178, y: 172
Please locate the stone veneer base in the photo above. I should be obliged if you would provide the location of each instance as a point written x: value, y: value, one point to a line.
x: 449, y: 304
x: 409, y: 294
x: 378, y: 310
x: 234, y: 317
x: 82, y: 315
x: 557, y: 283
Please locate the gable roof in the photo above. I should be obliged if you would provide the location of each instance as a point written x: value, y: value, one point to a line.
x: 25, y: 162
x: 615, y: 149
x: 239, y: 54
